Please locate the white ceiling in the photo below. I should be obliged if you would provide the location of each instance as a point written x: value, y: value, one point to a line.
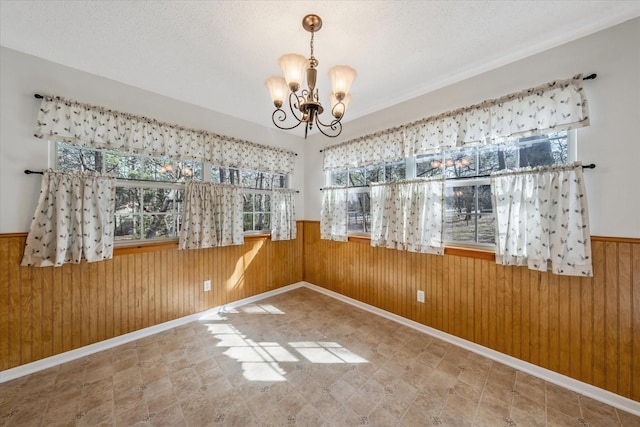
x: 217, y: 54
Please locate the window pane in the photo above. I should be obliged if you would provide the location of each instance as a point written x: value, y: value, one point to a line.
x: 457, y: 228
x: 261, y: 221
x: 338, y: 177
x: 374, y: 173
x: 539, y: 151
x: 159, y: 225
x: 357, y: 177
x: 158, y: 199
x: 259, y: 205
x: 358, y: 211
x: 460, y: 163
x: 192, y: 170
x: 253, y: 179
x: 72, y: 157
x: 127, y: 227
x: 486, y: 228
x: 559, y: 147
x: 127, y: 200
x: 279, y: 181
x: 168, y: 170
x: 126, y: 166
x: 267, y: 203
x: 248, y: 202
x: 217, y: 174
x: 234, y: 176
x: 429, y: 165
x: 469, y: 214
x: 248, y: 221
x: 497, y: 157
x: 395, y: 171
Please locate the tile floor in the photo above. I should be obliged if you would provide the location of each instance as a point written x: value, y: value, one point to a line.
x: 299, y: 358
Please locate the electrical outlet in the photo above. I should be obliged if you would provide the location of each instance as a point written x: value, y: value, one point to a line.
x: 420, y: 296
x: 207, y: 285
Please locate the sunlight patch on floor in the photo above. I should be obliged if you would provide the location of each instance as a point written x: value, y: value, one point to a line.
x: 326, y: 352
x: 262, y: 361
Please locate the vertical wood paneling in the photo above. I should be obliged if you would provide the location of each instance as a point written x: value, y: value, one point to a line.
x: 624, y: 316
x: 599, y: 299
x: 554, y: 320
x: 611, y: 318
x: 4, y: 306
x: 635, y: 321
x: 586, y: 328
x: 544, y: 303
x: 15, y: 312
x: 47, y: 311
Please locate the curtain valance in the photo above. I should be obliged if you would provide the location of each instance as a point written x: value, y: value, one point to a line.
x: 556, y: 105
x: 97, y: 127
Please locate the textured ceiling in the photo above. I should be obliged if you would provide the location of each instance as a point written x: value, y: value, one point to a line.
x: 217, y: 54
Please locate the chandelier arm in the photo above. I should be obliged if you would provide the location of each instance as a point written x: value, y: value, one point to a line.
x: 333, y: 110
x: 334, y: 125
x: 282, y: 116
x: 297, y: 104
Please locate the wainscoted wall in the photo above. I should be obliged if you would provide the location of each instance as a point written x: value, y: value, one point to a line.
x: 47, y: 311
x: 585, y: 328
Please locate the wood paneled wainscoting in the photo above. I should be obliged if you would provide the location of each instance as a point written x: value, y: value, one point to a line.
x: 585, y: 328
x: 47, y: 311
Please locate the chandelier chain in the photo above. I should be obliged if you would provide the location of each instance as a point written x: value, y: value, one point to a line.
x: 311, y: 42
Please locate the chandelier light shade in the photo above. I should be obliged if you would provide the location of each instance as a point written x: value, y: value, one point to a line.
x: 304, y: 105
x: 278, y: 90
x: 341, y: 78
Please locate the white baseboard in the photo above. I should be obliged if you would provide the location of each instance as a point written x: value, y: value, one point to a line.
x: 585, y: 389
x: 580, y: 387
x: 68, y: 356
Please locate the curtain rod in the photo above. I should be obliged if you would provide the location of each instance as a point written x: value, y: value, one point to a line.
x: 30, y: 172
x: 589, y: 166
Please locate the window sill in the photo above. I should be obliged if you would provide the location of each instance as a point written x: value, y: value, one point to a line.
x: 168, y: 245
x: 448, y: 250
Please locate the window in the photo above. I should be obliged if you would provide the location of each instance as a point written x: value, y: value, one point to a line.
x: 257, y: 194
x: 469, y: 218
x: 359, y: 193
x: 150, y: 190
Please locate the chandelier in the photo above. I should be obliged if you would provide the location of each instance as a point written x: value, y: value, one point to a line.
x: 305, y: 106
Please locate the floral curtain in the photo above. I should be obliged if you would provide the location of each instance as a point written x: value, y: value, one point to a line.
x: 542, y: 219
x: 408, y: 215
x: 367, y: 150
x: 212, y: 216
x: 556, y: 105
x: 74, y: 219
x: 283, y: 216
x: 333, y: 214
x: 97, y: 127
